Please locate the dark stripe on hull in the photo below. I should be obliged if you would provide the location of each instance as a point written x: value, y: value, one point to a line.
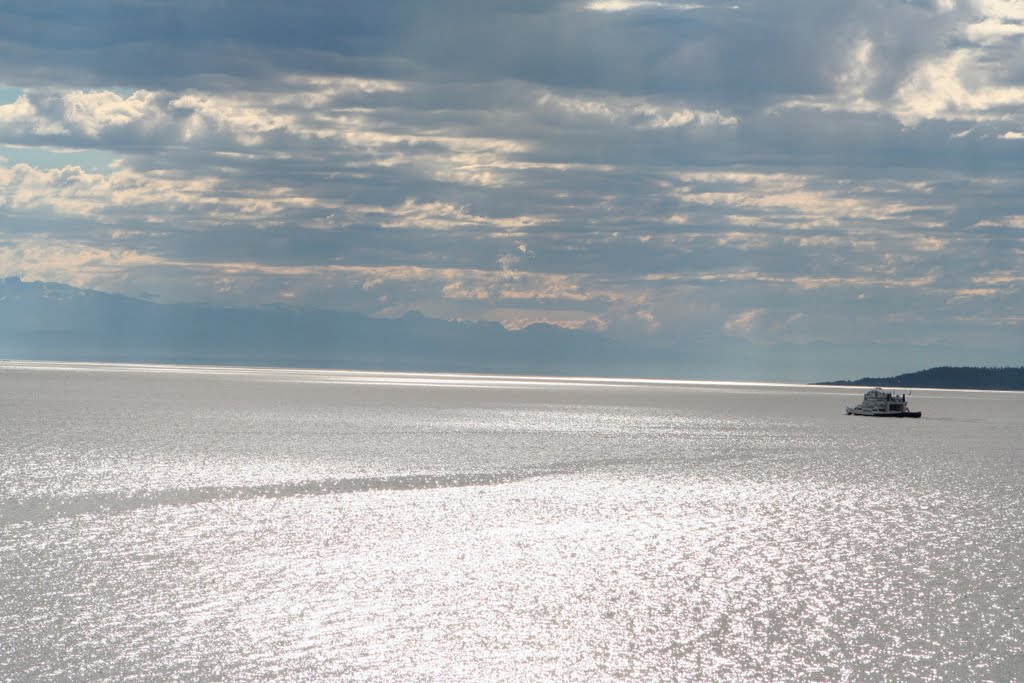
x: 917, y: 414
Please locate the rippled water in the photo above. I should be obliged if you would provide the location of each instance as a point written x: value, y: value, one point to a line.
x: 160, y: 523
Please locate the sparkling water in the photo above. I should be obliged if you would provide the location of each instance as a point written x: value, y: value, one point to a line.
x: 202, y: 524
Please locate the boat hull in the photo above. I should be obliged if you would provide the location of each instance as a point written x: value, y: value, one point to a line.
x: 902, y: 414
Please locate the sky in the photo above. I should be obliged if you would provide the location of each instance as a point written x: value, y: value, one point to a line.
x: 773, y: 171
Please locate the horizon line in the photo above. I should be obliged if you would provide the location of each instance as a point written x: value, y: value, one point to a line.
x: 427, y: 378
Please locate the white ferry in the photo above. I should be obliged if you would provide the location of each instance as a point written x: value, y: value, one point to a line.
x: 878, y: 403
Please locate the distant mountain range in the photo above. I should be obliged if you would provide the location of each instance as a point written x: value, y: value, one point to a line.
x: 1004, y: 379
x: 49, y: 321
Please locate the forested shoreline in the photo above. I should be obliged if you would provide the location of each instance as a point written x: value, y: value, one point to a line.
x: 997, y: 379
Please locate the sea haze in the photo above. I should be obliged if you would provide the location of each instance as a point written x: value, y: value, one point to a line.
x: 195, y: 523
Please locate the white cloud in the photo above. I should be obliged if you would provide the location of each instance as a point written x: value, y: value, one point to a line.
x: 631, y: 112
x: 926, y: 243
x: 794, y: 200
x: 94, y: 112
x: 745, y: 322
x: 1002, y: 9
x: 991, y: 30
x: 153, y: 197
x: 1005, y: 221
x: 958, y: 86
x: 84, y: 115
x: 246, y: 123
x: 972, y: 293
x: 628, y: 5
x: 22, y: 117
x: 965, y: 82
x: 77, y: 264
x: 443, y: 216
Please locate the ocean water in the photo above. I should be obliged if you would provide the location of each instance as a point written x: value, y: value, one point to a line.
x: 225, y: 524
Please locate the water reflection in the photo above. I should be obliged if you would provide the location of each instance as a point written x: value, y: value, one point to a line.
x: 199, y: 528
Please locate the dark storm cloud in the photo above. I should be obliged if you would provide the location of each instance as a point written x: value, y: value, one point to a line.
x: 715, y: 53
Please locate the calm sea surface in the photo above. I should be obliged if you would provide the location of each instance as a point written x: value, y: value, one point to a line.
x: 211, y: 524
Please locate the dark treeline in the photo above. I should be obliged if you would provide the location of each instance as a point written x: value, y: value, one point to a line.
x: 1005, y: 379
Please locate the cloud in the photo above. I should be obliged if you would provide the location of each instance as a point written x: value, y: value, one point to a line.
x: 958, y: 86
x: 155, y: 197
x: 681, y: 170
x: 627, y: 5
x: 744, y: 323
x: 634, y: 112
x: 69, y: 263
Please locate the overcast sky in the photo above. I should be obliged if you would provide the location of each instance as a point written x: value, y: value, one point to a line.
x: 773, y: 170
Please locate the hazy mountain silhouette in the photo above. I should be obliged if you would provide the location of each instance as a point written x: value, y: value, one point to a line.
x: 48, y: 321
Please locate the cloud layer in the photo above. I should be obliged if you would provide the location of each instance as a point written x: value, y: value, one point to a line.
x: 779, y: 171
